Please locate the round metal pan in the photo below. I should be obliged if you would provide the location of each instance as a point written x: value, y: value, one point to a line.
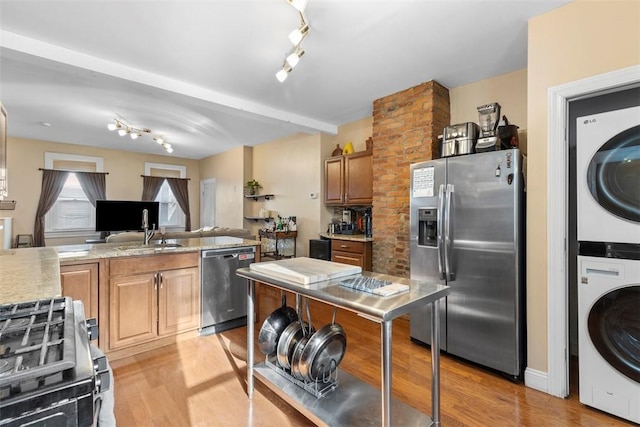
x: 289, y: 340
x: 290, y: 337
x: 323, y: 352
x: 273, y: 326
x: 298, y: 347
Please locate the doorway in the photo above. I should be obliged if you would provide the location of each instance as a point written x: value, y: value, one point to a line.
x: 208, y: 202
x: 558, y: 237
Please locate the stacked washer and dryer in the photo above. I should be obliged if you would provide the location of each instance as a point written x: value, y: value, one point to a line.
x: 608, y: 233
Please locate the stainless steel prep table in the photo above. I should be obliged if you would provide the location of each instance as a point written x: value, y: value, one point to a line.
x: 353, y: 399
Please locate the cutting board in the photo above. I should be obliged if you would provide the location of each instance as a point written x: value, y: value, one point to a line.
x: 304, y: 270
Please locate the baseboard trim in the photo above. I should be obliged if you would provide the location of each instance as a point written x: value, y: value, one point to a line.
x: 537, y: 380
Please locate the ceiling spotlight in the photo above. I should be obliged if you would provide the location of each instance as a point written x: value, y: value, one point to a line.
x: 298, y: 34
x: 299, y: 5
x: 284, y: 73
x: 294, y: 57
x: 136, y: 132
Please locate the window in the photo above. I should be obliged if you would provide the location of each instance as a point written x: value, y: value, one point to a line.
x: 72, y: 214
x: 171, y: 215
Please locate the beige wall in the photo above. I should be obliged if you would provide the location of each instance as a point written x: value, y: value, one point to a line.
x: 25, y: 156
x: 579, y: 40
x: 290, y: 168
x: 230, y: 171
x: 509, y: 90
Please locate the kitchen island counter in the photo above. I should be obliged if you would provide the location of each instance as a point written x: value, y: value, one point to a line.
x: 330, y: 409
x: 86, y: 252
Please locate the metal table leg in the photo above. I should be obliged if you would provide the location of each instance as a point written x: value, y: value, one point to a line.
x: 250, y: 325
x: 435, y: 362
x: 386, y: 373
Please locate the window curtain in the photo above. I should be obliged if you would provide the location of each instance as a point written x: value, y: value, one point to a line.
x: 180, y: 189
x: 94, y: 186
x: 52, y: 184
x: 151, y: 187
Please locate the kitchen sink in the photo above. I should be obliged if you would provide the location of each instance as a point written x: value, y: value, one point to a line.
x: 166, y: 245
x: 154, y: 246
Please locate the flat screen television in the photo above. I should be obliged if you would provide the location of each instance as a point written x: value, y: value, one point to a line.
x: 124, y: 215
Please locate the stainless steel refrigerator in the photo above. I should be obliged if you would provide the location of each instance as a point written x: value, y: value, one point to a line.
x: 467, y: 230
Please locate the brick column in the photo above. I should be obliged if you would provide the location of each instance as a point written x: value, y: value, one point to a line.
x: 406, y: 126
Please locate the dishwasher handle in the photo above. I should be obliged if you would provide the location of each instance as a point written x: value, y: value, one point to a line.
x: 228, y: 254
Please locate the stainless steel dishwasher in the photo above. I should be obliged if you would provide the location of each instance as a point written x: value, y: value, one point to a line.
x: 224, y: 295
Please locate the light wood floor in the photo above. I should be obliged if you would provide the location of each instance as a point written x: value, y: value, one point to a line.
x: 202, y: 382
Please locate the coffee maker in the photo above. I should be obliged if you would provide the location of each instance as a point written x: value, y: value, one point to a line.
x: 489, y: 117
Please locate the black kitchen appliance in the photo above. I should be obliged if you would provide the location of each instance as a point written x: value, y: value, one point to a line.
x: 320, y: 249
x: 47, y: 374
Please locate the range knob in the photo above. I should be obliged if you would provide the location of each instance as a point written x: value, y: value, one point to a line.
x: 92, y: 329
x: 103, y: 378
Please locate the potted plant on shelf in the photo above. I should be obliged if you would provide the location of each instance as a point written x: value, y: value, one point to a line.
x: 253, y: 187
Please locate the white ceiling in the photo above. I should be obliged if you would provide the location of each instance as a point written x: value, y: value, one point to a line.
x: 202, y: 73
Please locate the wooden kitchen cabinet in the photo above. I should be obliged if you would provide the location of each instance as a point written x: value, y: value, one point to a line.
x: 80, y: 282
x: 179, y: 301
x: 152, y: 297
x: 349, y: 179
x: 352, y: 253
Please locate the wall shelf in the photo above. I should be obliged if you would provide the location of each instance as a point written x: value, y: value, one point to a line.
x: 258, y: 218
x: 256, y: 197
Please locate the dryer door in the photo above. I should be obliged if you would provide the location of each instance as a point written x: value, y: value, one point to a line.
x: 607, y: 176
x: 614, y: 329
x: 613, y: 175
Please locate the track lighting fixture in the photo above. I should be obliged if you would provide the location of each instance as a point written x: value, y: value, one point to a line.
x: 284, y: 73
x: 124, y: 128
x: 298, y: 34
x: 299, y: 5
x: 294, y: 57
x: 296, y: 37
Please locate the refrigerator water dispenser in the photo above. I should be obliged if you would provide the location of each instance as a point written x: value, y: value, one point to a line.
x: 428, y: 227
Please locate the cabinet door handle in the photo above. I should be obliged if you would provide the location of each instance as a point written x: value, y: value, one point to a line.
x: 161, y: 279
x: 155, y: 282
x: 344, y: 246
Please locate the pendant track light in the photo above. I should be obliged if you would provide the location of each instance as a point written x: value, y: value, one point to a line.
x: 124, y: 128
x: 296, y: 37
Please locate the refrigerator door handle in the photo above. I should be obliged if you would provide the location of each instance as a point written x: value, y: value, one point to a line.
x: 448, y: 244
x: 440, y: 219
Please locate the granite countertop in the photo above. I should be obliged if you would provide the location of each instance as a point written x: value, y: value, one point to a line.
x: 116, y: 250
x: 352, y: 237
x: 28, y: 274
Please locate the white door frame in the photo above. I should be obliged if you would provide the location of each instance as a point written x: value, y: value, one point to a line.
x: 557, y: 216
x: 203, y: 182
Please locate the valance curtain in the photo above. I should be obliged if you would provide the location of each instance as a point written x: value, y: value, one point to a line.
x: 180, y: 189
x: 52, y: 184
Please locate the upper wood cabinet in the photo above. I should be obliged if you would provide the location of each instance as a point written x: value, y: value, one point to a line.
x: 348, y: 180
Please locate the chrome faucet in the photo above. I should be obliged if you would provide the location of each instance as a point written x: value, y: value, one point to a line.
x: 148, y: 234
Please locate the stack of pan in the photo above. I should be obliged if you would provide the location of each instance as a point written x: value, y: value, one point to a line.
x: 308, y: 355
